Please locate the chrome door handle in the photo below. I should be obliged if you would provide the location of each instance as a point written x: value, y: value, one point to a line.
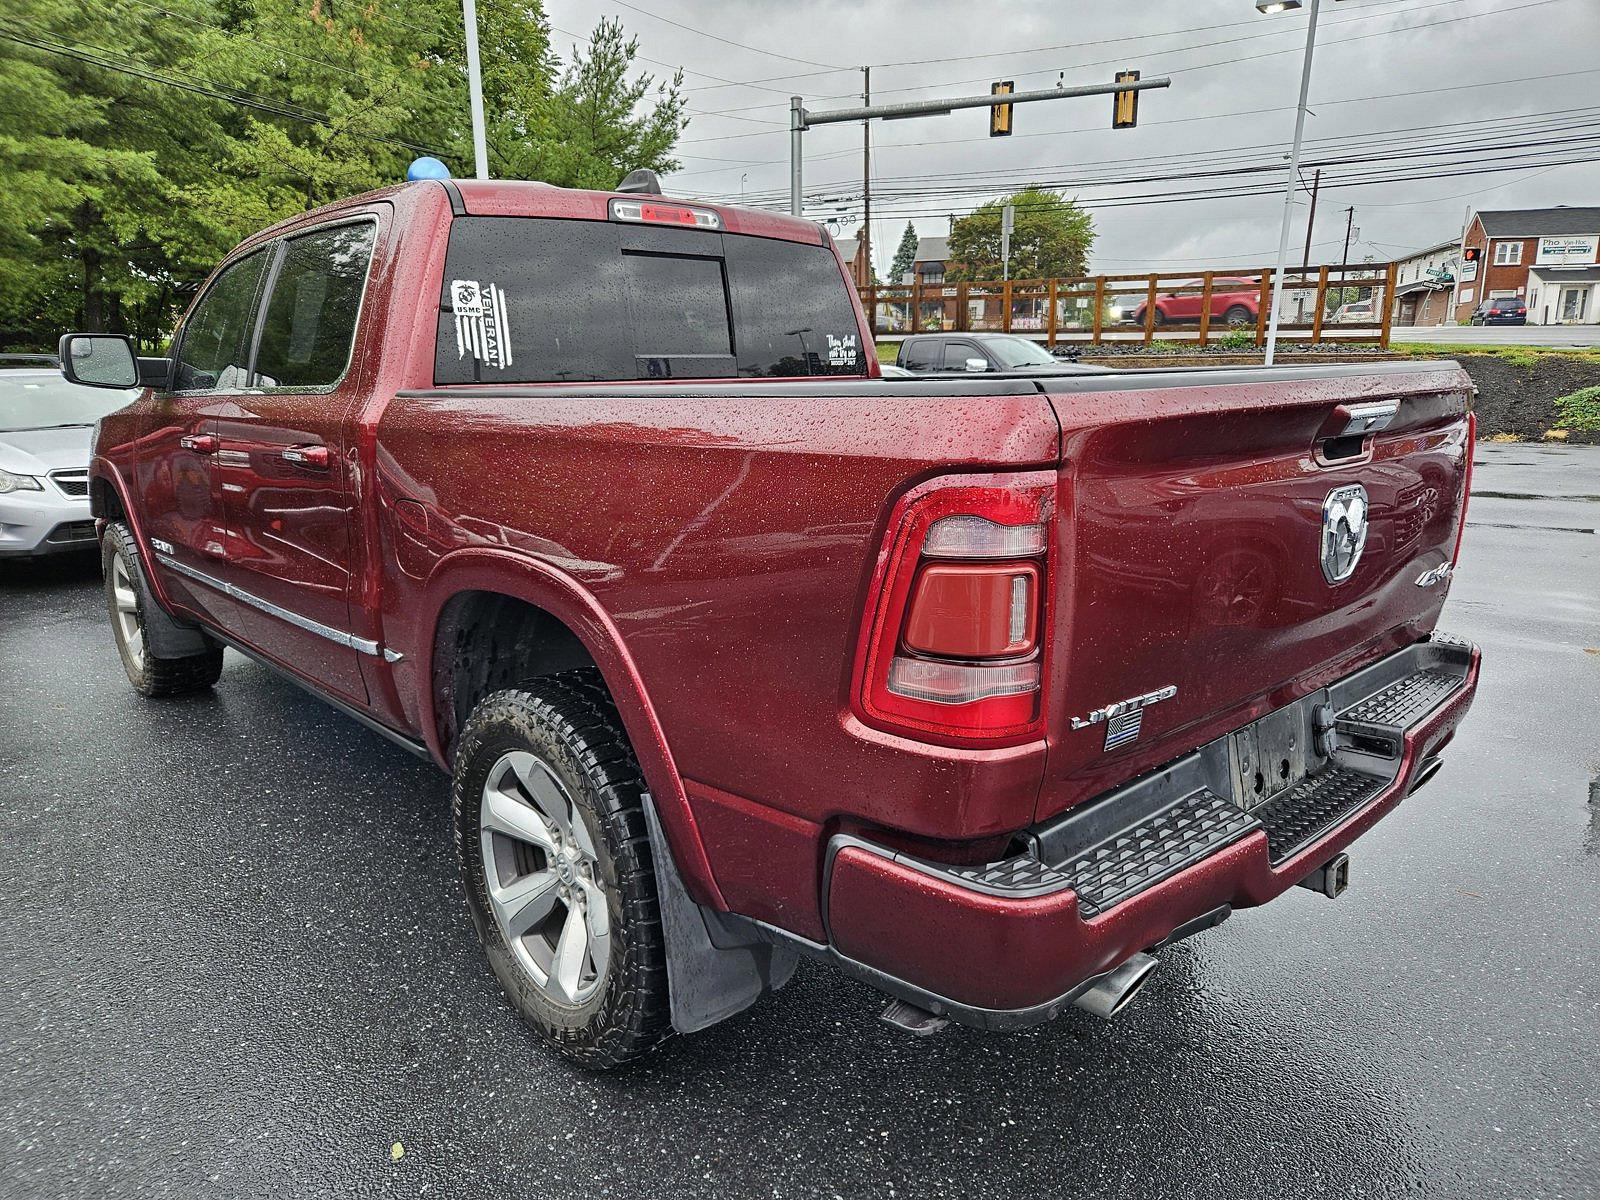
x: 200, y: 443
x: 316, y: 457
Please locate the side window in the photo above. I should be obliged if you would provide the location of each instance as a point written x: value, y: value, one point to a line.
x: 310, y: 322
x: 922, y: 356
x: 214, y: 348
x: 957, y: 353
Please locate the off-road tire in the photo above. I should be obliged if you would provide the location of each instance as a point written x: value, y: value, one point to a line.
x: 150, y: 674
x: 568, y: 723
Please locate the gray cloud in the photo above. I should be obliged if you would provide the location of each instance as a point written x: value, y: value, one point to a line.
x: 738, y: 141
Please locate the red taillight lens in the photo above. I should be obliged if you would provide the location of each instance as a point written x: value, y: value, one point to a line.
x: 962, y: 611
x: 953, y: 650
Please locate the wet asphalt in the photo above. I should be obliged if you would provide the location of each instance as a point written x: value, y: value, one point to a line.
x: 236, y: 963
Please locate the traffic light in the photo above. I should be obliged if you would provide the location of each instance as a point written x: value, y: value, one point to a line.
x: 1125, y: 105
x: 1472, y: 254
x: 1000, y: 114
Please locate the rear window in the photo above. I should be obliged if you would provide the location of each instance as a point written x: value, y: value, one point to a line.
x: 538, y: 300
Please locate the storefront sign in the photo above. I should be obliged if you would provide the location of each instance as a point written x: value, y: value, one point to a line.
x: 1555, y: 251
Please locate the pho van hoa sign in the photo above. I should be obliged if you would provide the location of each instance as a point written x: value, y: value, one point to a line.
x: 1555, y: 251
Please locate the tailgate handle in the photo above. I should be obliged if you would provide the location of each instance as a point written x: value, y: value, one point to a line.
x: 1358, y: 420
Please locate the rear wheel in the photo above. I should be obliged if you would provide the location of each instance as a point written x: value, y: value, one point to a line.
x: 555, y: 859
x: 128, y: 599
x: 1236, y: 316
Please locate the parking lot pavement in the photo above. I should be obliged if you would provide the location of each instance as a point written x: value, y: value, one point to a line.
x: 237, y: 963
x: 1564, y: 336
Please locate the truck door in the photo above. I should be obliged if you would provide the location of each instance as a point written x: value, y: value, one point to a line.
x: 179, y: 495
x: 284, y: 462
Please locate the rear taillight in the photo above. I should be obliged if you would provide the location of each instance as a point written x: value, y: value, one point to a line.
x: 954, y: 646
x: 1466, y: 484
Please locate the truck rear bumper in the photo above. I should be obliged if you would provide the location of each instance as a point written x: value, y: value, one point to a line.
x: 1009, y: 944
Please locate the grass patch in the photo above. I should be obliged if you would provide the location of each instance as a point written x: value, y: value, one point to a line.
x: 1517, y: 356
x: 888, y: 351
x: 1580, y: 410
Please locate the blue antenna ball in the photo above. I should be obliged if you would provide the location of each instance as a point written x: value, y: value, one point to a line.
x: 427, y: 167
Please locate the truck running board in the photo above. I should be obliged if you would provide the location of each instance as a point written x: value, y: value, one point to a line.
x: 1114, y: 847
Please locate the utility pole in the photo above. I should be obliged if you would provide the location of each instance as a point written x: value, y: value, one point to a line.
x: 1316, y: 183
x: 866, y: 174
x: 1349, y: 227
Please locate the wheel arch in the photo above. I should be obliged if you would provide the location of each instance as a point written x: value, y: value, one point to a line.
x: 485, y: 583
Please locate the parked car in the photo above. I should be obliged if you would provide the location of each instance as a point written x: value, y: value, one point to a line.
x: 1234, y: 302
x: 45, y: 428
x: 961, y: 353
x: 1356, y: 312
x: 1501, y: 310
x: 980, y: 688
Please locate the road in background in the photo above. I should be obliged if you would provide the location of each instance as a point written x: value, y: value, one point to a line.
x: 237, y: 963
x: 1559, y: 336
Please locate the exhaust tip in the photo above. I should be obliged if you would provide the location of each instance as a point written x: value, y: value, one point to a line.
x: 1115, y: 990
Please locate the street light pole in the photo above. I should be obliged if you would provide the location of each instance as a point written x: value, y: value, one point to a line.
x: 480, y: 141
x: 1289, y: 187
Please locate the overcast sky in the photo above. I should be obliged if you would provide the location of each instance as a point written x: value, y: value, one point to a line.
x: 737, y: 141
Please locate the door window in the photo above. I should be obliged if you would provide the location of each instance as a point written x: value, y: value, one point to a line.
x: 310, y: 322
x: 921, y: 356
x: 957, y: 353
x: 214, y: 350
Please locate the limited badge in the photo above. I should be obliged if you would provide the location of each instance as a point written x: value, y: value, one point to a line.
x: 482, y: 329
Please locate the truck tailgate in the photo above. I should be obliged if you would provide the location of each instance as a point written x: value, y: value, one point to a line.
x: 1196, y: 507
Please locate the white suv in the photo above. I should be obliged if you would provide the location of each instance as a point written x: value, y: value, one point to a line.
x: 46, y: 428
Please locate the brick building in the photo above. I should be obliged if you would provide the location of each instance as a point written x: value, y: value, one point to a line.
x: 855, y: 258
x: 1550, y: 257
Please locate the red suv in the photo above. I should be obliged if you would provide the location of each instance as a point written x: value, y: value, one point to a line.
x: 1234, y: 301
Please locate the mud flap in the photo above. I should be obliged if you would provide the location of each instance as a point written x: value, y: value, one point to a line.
x: 166, y: 636
x: 713, y: 970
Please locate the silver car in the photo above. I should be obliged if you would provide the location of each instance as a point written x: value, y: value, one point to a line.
x: 46, y: 428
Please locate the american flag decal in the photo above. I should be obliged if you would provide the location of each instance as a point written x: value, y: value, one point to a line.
x: 481, y: 326
x: 1124, y: 729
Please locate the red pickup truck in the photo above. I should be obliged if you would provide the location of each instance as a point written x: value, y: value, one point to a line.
x: 979, y: 688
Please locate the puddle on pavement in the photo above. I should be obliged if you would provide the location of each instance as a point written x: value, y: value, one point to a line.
x: 1532, y: 496
x: 1536, y: 528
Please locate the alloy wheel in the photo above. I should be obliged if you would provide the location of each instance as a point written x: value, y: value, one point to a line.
x: 125, y: 616
x: 542, y: 877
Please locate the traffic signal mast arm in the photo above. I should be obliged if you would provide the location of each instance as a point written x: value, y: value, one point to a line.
x: 801, y: 120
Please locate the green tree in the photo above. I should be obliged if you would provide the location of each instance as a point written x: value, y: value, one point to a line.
x: 140, y: 141
x: 601, y: 121
x: 905, y: 255
x: 1051, y: 239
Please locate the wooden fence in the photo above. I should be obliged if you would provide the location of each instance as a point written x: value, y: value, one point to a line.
x: 1343, y: 303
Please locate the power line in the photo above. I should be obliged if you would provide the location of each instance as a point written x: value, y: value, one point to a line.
x: 1281, y: 31
x: 716, y: 38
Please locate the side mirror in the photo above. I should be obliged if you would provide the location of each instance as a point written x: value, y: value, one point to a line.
x: 99, y: 360
x: 977, y: 364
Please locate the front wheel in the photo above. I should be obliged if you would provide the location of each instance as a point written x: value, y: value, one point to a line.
x: 1238, y: 316
x: 555, y: 859
x: 128, y: 600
